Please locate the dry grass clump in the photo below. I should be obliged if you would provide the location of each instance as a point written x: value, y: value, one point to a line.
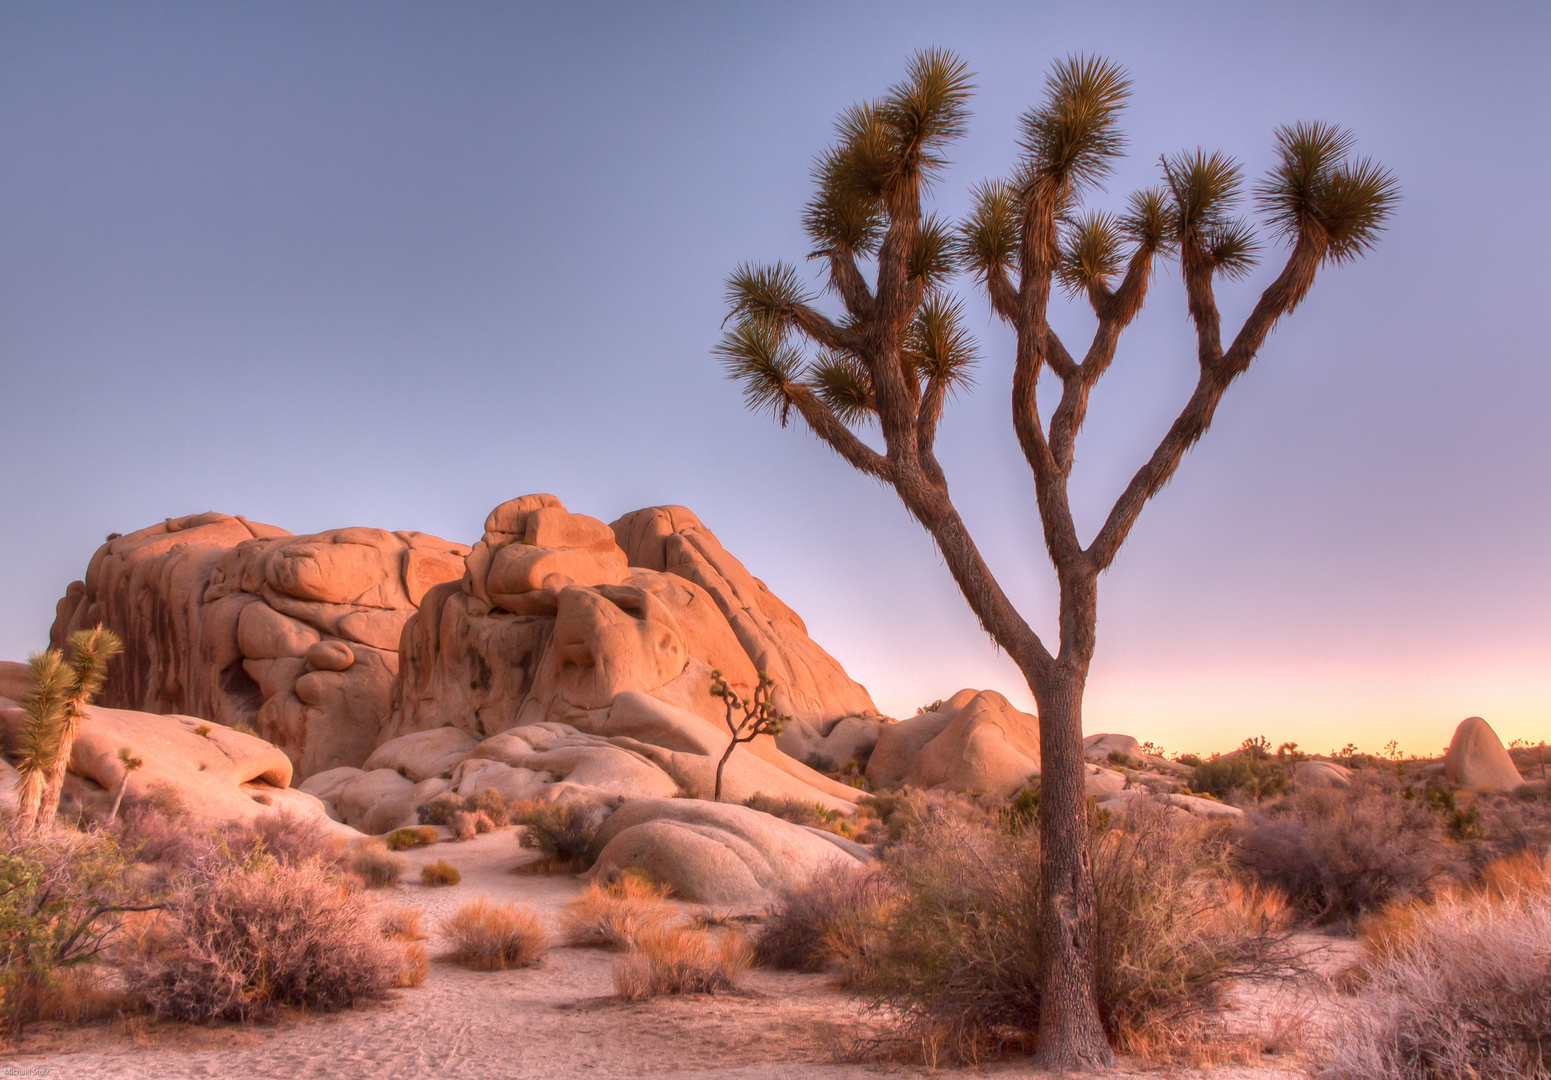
x: 674, y: 960
x: 438, y: 874
x: 402, y: 925
x: 241, y: 942
x: 837, y: 919
x: 494, y: 937
x: 1340, y: 853
x: 495, y: 807
x: 615, y: 915
x: 377, y: 867
x: 1459, y: 988
x: 960, y: 961
x: 563, y: 832
x: 404, y: 839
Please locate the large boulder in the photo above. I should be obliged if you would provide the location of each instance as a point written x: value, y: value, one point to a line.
x: 1477, y: 759
x: 713, y: 853
x: 219, y: 775
x: 295, y: 637
x: 1322, y: 774
x: 972, y: 742
x: 1099, y: 747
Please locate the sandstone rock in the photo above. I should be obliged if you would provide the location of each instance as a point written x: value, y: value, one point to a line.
x: 219, y: 775
x: 1322, y: 774
x: 1477, y: 759
x: 851, y: 738
x: 380, y: 800
x: 712, y: 853
x: 1097, y: 781
x: 242, y: 623
x: 1099, y: 747
x: 423, y: 754
x: 1180, y: 804
x: 971, y: 742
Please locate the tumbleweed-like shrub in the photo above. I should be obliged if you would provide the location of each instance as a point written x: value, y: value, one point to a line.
x: 960, y: 961
x: 615, y: 915
x: 675, y: 960
x: 494, y: 937
x: 1463, y: 990
x: 377, y: 867
x: 1341, y: 853
x: 404, y: 839
x: 561, y: 831
x: 838, y: 918
x: 240, y: 942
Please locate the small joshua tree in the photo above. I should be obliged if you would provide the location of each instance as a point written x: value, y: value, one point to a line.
x: 89, y: 652
x: 130, y: 764
x: 759, y: 717
x: 45, y: 705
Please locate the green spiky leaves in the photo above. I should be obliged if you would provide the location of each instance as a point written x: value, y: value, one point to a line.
x: 53, y: 684
x: 883, y: 145
x: 939, y: 346
x: 1315, y: 185
x: 1092, y: 254
x: 842, y: 383
x: 90, y: 651
x: 767, y: 294
x: 1206, y: 188
x: 756, y: 355
x: 1071, y: 142
x: 988, y: 239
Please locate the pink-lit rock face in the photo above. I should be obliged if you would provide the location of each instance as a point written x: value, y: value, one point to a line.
x: 245, y: 625
x: 1477, y: 759
x: 974, y: 741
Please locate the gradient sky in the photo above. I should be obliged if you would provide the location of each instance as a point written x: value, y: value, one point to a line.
x: 391, y: 264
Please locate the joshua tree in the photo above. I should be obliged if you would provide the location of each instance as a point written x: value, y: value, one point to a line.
x: 759, y: 717
x: 89, y: 652
x: 897, y: 351
x: 130, y: 764
x: 45, y: 705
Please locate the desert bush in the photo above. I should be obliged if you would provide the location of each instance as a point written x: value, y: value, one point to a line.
x: 493, y: 805
x: 1257, y: 776
x: 242, y: 941
x: 289, y: 838
x: 561, y: 831
x: 616, y: 914
x: 440, y: 810
x: 463, y: 826
x: 494, y: 937
x: 402, y: 923
x: 960, y: 962
x: 839, y: 917
x: 153, y: 828
x: 404, y: 839
x: 62, y: 894
x: 1464, y: 992
x: 439, y: 873
x: 896, y: 814
x: 1340, y: 853
x: 673, y: 960
x: 803, y: 812
x: 377, y: 867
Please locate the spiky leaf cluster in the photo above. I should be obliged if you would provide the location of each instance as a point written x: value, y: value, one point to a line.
x: 1071, y: 142
x: 885, y: 147
x: 53, y: 685
x: 1206, y: 188
x: 939, y: 346
x: 756, y: 355
x: 90, y: 651
x: 1315, y: 185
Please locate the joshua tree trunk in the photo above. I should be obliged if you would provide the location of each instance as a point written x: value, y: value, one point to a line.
x: 30, y: 801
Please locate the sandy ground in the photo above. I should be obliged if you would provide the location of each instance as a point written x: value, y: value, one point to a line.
x: 557, y: 1019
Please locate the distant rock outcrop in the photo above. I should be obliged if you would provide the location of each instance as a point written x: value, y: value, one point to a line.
x: 974, y: 741
x: 245, y: 625
x: 1476, y: 758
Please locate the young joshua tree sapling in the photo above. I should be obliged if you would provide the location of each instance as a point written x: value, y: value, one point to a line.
x: 759, y: 717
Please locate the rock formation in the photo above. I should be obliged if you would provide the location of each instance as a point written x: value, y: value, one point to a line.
x: 715, y: 853
x: 245, y: 625
x: 974, y: 741
x: 218, y: 775
x: 1476, y: 758
x: 547, y: 619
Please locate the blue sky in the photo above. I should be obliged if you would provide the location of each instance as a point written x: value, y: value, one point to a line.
x: 390, y: 264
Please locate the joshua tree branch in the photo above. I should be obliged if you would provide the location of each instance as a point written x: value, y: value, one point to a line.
x: 823, y: 422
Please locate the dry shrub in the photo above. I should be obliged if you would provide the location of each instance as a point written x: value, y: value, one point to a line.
x: 438, y: 874
x: 803, y: 812
x: 673, y: 960
x: 960, y: 963
x: 561, y: 831
x: 838, y: 918
x: 463, y: 827
x: 1465, y: 991
x: 377, y: 867
x: 403, y: 839
x: 1340, y: 853
x: 489, y: 802
x: 402, y: 923
x: 494, y: 937
x: 615, y: 915
x: 239, y: 943
x: 287, y: 837
x: 415, y: 967
x: 153, y: 828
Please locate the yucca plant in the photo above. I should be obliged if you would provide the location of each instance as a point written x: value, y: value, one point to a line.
x: 896, y: 351
x: 88, y: 653
x: 46, y: 704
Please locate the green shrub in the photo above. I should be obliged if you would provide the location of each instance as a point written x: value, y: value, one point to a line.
x: 439, y: 873
x: 562, y: 831
x: 403, y: 839
x: 803, y: 812
x: 1257, y: 777
x: 61, y: 895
